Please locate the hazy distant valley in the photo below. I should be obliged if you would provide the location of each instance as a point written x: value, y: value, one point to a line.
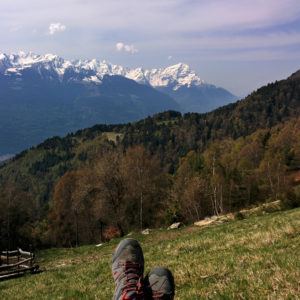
x: 45, y: 96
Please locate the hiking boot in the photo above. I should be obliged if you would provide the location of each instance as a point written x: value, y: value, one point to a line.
x: 160, y: 284
x: 128, y: 269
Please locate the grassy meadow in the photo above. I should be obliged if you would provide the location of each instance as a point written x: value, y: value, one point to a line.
x: 254, y: 258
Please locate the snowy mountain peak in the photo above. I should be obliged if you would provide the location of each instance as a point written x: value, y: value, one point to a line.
x: 137, y: 75
x: 174, y: 76
x: 50, y: 56
x: 2, y: 56
x: 180, y: 67
x: 4, y: 62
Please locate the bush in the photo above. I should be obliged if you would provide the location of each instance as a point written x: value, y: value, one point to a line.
x: 291, y: 199
x: 110, y: 233
x: 239, y: 216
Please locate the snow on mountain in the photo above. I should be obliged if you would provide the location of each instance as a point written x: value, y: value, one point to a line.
x: 4, y: 62
x: 93, y: 70
x: 175, y: 76
x: 137, y: 75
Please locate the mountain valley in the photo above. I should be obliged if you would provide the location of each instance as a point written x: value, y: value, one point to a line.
x: 45, y: 96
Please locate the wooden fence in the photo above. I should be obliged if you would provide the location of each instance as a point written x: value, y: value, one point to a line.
x: 15, y: 263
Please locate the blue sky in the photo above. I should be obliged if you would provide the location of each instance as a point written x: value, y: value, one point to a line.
x: 236, y: 44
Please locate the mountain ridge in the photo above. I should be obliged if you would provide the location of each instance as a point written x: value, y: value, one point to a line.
x: 45, y: 95
x: 172, y: 77
x: 295, y: 75
x: 176, y: 75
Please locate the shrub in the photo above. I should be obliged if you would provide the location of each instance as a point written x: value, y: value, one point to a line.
x: 291, y: 199
x: 110, y: 233
x: 239, y: 216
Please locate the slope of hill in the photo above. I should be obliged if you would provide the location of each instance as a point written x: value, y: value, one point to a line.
x: 196, y: 165
x: 295, y: 75
x: 200, y: 99
x: 169, y: 135
x: 255, y: 258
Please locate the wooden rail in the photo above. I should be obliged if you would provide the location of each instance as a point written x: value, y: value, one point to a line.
x: 17, y: 262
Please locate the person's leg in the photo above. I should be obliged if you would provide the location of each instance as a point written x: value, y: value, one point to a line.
x: 128, y: 269
x: 160, y: 284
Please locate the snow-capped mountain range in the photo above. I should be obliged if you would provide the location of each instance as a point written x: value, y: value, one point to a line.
x: 175, y: 76
x: 46, y: 95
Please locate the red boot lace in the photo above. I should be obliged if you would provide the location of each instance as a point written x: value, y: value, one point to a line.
x: 132, y: 271
x: 157, y: 295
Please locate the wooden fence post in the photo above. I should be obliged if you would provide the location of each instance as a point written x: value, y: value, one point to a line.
x: 18, y: 259
x: 31, y: 255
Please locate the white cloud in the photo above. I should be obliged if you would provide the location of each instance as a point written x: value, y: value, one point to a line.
x: 56, y: 27
x: 120, y: 46
x: 170, y: 57
x: 126, y: 48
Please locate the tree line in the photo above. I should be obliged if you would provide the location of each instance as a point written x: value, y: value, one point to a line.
x: 73, y: 190
x: 129, y: 190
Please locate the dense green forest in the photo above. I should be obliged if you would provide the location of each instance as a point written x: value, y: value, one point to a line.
x: 108, y: 180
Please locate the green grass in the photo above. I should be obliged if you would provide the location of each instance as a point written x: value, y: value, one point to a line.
x: 255, y: 258
x: 112, y: 136
x: 166, y: 122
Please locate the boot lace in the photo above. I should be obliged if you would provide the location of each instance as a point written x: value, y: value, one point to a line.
x: 157, y: 295
x: 133, y: 280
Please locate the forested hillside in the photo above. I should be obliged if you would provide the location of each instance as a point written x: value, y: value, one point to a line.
x: 110, y: 179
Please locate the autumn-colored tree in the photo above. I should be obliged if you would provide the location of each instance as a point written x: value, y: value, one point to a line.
x: 110, y: 205
x: 193, y: 203
x: 145, y: 184
x: 272, y: 173
x: 190, y: 188
x: 70, y: 210
x: 22, y: 213
x: 61, y: 222
x: 3, y: 219
x: 215, y: 177
x: 16, y: 217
